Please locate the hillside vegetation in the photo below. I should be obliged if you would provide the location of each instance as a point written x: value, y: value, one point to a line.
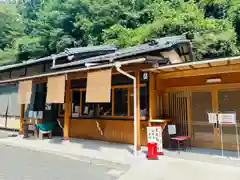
x: 36, y: 28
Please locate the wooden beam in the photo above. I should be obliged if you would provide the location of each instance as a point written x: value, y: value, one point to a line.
x: 138, y: 111
x: 129, y: 68
x: 67, y: 112
x: 22, y: 110
x: 200, y: 72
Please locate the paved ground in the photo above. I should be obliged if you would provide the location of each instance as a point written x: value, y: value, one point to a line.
x: 25, y: 164
x: 87, y: 159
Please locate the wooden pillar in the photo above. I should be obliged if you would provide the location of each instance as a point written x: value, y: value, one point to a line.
x: 152, y: 96
x: 138, y: 111
x: 67, y: 110
x: 22, y: 110
x: 189, y: 113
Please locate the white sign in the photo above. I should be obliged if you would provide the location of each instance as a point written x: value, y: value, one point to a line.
x: 31, y: 127
x: 77, y: 109
x: 172, y: 129
x: 30, y: 114
x: 145, y: 76
x: 212, y: 118
x: 40, y: 115
x: 86, y: 110
x: 75, y: 114
x: 155, y: 135
x: 35, y: 114
x: 227, y: 118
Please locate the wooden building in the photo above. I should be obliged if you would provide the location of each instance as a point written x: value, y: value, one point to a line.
x: 190, y: 90
x: 95, y: 101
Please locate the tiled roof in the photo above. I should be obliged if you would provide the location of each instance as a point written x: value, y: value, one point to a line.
x: 112, y: 52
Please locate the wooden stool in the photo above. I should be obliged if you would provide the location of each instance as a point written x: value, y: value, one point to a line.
x: 42, y: 133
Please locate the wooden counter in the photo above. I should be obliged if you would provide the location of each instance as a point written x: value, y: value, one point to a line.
x: 113, y: 130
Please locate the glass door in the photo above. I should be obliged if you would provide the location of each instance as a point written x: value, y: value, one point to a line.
x: 203, y: 133
x: 229, y: 102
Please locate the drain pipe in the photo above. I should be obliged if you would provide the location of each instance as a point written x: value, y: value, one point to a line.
x: 118, y: 67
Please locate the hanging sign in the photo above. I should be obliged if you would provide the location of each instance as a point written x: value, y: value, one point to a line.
x: 227, y: 118
x: 144, y: 76
x: 212, y: 118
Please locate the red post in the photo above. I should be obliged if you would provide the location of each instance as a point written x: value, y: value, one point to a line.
x: 152, y: 151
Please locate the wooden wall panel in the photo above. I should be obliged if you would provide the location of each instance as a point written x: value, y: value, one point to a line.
x: 18, y: 73
x: 34, y: 70
x: 113, y: 130
x: 47, y: 67
x: 4, y: 75
x: 197, y: 80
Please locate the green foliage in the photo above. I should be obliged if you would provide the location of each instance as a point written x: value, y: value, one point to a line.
x: 36, y: 28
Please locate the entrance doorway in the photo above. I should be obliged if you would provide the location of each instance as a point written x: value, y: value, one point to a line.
x: 203, y: 133
x: 189, y: 108
x: 229, y: 101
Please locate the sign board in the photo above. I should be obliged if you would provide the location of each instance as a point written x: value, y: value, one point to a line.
x: 144, y: 76
x: 30, y: 114
x: 212, y: 118
x: 40, y: 114
x: 31, y: 127
x: 227, y: 118
x: 75, y: 114
x: 172, y: 129
x: 35, y: 114
x: 155, y: 135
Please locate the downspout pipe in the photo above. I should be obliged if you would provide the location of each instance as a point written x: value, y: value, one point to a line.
x: 118, y: 67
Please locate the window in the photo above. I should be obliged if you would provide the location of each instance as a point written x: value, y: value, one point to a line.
x: 76, y: 103
x: 105, y: 109
x: 40, y: 97
x: 61, y: 109
x: 120, y: 102
x: 88, y: 109
x: 143, y: 101
x: 120, y: 79
x: 121, y: 105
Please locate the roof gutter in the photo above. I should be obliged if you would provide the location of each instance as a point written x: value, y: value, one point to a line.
x: 139, y: 60
x: 235, y: 58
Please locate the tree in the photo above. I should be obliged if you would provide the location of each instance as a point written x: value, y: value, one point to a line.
x: 50, y: 26
x: 11, y: 27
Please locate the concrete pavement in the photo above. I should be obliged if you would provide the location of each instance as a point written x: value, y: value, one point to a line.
x: 184, y: 166
x: 23, y: 164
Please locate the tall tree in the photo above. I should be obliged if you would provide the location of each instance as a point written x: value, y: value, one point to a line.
x: 50, y: 26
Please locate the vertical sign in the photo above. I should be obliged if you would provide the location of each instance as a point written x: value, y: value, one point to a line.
x: 155, y: 135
